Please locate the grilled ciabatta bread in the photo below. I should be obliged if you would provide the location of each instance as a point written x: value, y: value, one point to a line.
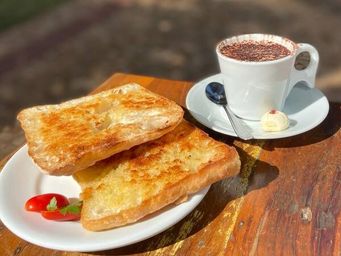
x: 132, y: 184
x: 74, y: 135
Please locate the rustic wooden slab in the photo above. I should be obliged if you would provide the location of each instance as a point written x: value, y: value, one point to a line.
x: 286, y: 200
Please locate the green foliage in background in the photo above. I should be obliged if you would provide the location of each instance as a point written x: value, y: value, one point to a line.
x: 16, y: 11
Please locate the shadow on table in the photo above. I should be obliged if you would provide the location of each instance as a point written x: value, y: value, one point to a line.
x: 259, y: 175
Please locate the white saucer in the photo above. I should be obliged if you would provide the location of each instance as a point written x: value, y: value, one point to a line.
x: 305, y: 107
x: 21, y: 179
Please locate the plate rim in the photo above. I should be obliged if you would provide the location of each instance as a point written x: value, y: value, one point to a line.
x: 99, y: 246
x: 277, y: 135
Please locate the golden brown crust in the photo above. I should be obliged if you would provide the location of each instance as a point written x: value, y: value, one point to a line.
x: 188, y: 186
x: 177, y: 175
x: 71, y: 136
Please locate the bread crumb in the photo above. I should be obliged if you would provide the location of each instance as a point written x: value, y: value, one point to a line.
x: 306, y: 214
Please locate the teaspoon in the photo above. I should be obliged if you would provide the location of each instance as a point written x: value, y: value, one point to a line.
x: 216, y: 93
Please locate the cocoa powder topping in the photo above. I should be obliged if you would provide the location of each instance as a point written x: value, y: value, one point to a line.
x: 255, y: 51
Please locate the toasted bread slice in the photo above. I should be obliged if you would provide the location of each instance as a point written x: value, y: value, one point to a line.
x: 74, y: 135
x: 132, y: 184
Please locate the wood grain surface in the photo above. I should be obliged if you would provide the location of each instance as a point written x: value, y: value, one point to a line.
x: 285, y: 201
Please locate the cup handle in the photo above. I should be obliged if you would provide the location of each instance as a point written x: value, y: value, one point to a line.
x: 309, y: 73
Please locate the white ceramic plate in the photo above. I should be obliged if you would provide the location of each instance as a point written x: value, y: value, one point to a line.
x: 305, y: 107
x: 21, y: 179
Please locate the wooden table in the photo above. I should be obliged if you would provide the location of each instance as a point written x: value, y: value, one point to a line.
x: 286, y: 200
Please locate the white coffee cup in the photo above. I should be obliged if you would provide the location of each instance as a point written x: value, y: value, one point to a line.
x: 255, y: 87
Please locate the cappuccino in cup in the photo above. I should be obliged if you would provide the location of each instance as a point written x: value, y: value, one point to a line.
x: 258, y: 72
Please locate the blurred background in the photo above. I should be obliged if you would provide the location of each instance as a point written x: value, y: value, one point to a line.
x: 54, y: 50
